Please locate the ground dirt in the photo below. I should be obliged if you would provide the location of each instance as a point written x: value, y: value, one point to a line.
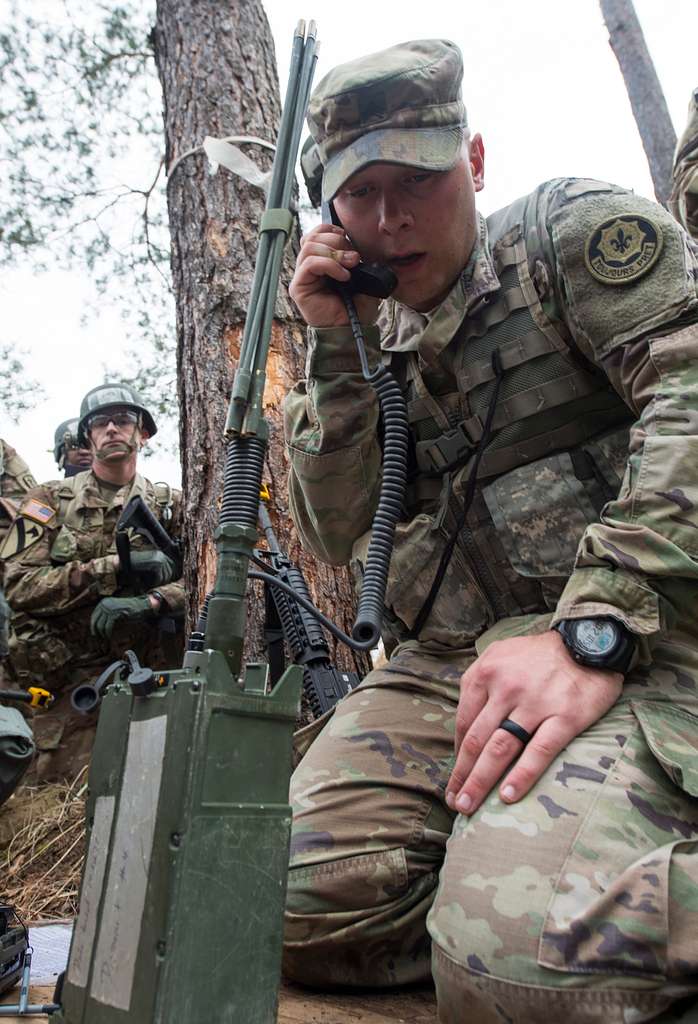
x: 301, y: 1006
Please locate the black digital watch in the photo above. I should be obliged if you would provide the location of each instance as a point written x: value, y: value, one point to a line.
x: 600, y: 642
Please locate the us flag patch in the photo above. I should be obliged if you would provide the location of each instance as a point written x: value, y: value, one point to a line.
x: 37, y: 511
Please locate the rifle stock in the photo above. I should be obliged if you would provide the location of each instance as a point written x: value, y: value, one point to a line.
x: 138, y: 518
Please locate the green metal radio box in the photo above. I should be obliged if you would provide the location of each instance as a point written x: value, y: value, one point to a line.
x: 188, y: 824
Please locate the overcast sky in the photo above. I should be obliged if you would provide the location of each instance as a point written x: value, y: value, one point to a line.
x: 541, y: 84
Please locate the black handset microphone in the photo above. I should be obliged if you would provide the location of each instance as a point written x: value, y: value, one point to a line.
x: 372, y: 279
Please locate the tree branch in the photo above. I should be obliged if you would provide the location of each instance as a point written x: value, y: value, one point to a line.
x: 644, y: 91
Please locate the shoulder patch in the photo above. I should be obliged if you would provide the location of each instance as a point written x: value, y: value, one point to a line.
x: 37, y: 510
x: 622, y: 249
x: 23, y: 534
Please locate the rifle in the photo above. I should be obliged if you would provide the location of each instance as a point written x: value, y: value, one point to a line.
x: 138, y: 518
x: 323, y: 682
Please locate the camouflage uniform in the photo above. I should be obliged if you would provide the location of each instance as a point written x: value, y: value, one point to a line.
x: 683, y: 201
x: 580, y: 901
x: 53, y: 585
x: 15, y: 481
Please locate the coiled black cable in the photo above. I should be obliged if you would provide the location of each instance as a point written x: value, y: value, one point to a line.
x: 274, y: 581
x: 244, y: 465
x: 390, y: 505
x: 198, y: 635
x: 244, y: 468
x: 366, y: 629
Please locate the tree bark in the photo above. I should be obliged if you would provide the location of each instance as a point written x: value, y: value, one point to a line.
x: 218, y: 73
x: 644, y: 91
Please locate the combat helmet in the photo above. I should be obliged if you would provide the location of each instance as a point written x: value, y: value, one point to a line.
x: 106, y: 396
x: 66, y: 435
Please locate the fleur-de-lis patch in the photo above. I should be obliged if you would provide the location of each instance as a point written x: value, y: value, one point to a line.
x: 623, y: 249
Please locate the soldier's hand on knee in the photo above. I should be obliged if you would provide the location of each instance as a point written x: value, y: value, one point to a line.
x: 524, y: 698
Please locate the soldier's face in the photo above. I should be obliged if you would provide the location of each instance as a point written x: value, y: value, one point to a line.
x: 116, y: 435
x: 422, y: 224
x: 81, y: 457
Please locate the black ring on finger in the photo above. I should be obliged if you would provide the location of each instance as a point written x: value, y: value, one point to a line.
x: 516, y: 730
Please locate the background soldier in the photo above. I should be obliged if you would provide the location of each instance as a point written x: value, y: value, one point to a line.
x: 15, y: 734
x: 683, y: 201
x: 548, y: 358
x: 75, y: 608
x: 15, y: 481
x: 69, y: 455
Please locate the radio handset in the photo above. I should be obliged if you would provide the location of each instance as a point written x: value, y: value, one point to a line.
x: 372, y: 279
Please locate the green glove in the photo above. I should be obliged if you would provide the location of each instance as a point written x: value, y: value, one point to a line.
x: 153, y: 568
x: 111, y: 610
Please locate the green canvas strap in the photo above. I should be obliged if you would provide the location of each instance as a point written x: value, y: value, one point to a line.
x: 543, y: 397
x: 496, y: 311
x: 277, y: 219
x: 514, y: 353
x: 426, y: 405
x: 454, y: 446
x: 501, y: 460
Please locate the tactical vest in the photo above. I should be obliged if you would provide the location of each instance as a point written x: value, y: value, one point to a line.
x: 556, y: 453
x: 89, y: 531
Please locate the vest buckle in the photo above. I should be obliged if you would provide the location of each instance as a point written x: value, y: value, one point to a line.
x: 453, y: 448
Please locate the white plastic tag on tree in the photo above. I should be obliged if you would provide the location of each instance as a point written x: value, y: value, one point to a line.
x: 223, y: 154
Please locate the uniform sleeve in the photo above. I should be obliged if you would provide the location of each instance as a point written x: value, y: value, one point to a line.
x: 18, y: 476
x: 331, y: 426
x: 639, y: 563
x: 34, y: 583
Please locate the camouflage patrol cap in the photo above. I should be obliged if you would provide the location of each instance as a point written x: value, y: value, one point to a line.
x: 111, y: 396
x: 402, y: 106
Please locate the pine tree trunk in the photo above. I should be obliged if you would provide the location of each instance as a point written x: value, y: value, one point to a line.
x: 218, y: 72
x: 644, y: 91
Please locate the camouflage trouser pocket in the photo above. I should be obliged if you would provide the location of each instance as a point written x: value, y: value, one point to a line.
x: 348, y: 884
x: 626, y: 900
x: 303, y: 738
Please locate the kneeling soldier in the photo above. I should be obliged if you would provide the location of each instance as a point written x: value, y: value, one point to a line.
x: 75, y: 607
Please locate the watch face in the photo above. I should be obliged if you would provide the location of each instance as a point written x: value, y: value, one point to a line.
x: 595, y: 636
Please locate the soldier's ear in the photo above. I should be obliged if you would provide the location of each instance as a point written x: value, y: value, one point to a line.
x: 476, y: 156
